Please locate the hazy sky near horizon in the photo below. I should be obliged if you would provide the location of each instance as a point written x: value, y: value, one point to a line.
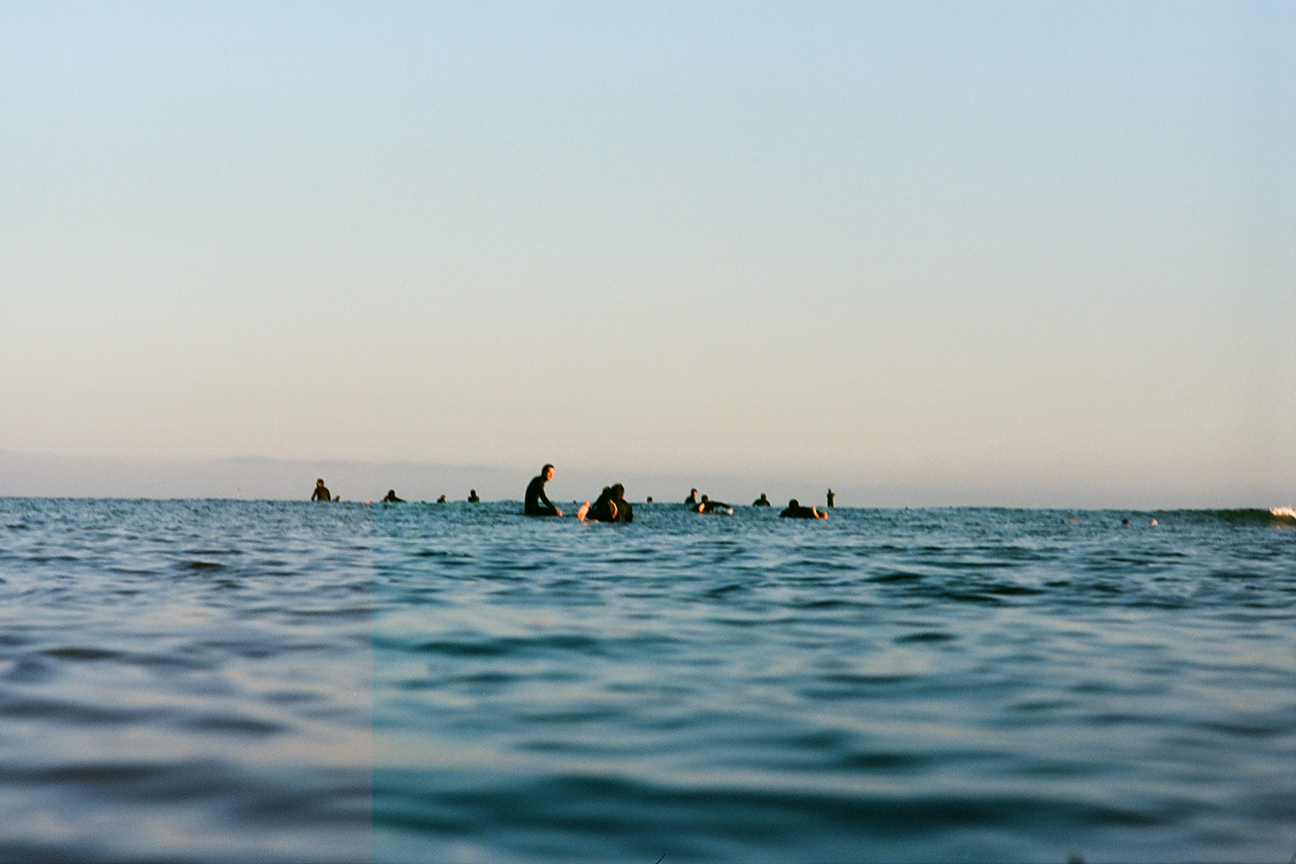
x: 1034, y: 246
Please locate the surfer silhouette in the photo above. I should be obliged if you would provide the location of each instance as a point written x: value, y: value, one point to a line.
x: 706, y: 505
x: 390, y: 498
x: 796, y: 511
x: 761, y: 501
x: 537, y: 503
x: 610, y: 506
x: 321, y: 492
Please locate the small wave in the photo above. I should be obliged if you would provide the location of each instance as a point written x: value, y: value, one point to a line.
x: 1240, y: 516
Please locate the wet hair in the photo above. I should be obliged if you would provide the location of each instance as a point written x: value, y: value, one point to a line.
x: 545, y: 469
x: 618, y: 491
x: 319, y: 482
x: 793, y: 503
x: 705, y: 498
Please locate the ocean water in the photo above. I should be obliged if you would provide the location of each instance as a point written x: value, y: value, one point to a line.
x: 266, y: 681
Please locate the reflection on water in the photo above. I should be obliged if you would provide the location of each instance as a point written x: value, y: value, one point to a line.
x: 282, y: 682
x: 185, y: 681
x: 888, y: 685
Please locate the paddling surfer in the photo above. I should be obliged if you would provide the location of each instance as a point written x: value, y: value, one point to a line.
x: 537, y: 503
x: 706, y: 505
x: 796, y: 511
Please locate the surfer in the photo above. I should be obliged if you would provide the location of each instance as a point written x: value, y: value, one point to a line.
x: 832, y: 496
x: 537, y: 503
x: 706, y: 505
x: 610, y: 506
x: 472, y: 496
x: 692, y: 499
x: 761, y: 501
x: 441, y: 500
x: 796, y: 511
x: 390, y: 498
x: 321, y: 492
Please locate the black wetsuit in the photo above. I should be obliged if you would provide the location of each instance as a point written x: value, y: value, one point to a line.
x: 391, y: 498
x: 692, y: 499
x: 761, y: 502
x: 537, y: 503
x: 601, y: 510
x: 710, y: 506
x: 321, y: 493
x: 799, y: 512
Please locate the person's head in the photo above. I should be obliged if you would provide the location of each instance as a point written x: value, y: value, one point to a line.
x: 762, y: 496
x: 319, y: 482
x: 391, y: 492
x: 705, y: 499
x: 793, y: 504
x: 618, y: 491
x: 547, y: 472
x: 692, y: 491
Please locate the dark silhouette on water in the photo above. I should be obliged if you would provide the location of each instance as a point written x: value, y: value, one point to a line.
x: 537, y: 503
x: 796, y: 511
x: 832, y: 496
x: 761, y: 501
x: 706, y: 505
x: 611, y: 506
x: 692, y: 499
x: 441, y: 500
x: 472, y: 496
x: 321, y: 492
x: 390, y: 498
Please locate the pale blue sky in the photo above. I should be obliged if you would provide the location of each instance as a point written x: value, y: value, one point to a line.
x: 1036, y: 248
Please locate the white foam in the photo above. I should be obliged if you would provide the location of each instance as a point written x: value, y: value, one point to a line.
x: 1283, y: 512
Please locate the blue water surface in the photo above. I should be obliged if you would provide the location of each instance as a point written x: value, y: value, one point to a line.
x: 273, y: 681
x: 912, y: 685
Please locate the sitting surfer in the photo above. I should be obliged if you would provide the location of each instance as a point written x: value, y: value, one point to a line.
x: 390, y: 498
x: 472, y: 496
x: 537, y: 503
x: 321, y: 492
x: 692, y: 499
x: 441, y: 500
x: 611, y: 506
x: 706, y: 505
x: 761, y: 501
x: 796, y: 511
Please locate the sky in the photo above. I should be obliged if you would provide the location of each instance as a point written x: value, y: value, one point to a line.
x: 927, y: 253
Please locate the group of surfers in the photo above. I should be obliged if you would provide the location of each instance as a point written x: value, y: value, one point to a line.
x: 610, y: 506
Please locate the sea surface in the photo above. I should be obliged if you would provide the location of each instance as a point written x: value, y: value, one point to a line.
x: 274, y: 681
